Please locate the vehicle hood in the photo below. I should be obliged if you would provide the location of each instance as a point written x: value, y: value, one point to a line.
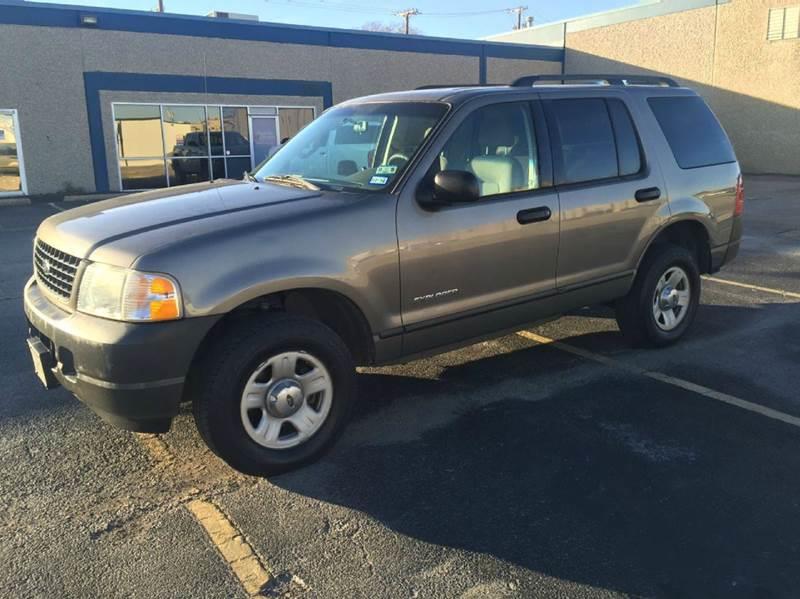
x: 82, y: 231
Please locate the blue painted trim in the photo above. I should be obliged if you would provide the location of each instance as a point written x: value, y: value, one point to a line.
x: 95, y: 82
x: 58, y: 15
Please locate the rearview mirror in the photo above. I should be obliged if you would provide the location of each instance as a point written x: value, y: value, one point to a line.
x: 455, y: 187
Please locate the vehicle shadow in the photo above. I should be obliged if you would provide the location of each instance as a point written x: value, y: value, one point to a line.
x: 576, y: 471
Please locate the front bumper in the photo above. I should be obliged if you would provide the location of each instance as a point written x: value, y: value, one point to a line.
x: 132, y: 375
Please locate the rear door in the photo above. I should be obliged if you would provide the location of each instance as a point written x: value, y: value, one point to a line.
x: 612, y: 195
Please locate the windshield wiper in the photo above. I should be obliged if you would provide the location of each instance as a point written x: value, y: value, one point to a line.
x: 292, y: 180
x: 248, y: 176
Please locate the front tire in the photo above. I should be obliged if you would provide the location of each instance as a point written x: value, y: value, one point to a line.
x: 663, y: 301
x: 274, y: 393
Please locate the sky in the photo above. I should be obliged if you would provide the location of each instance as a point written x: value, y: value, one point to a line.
x: 453, y: 19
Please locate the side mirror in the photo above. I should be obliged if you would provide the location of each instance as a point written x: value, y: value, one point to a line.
x: 455, y: 187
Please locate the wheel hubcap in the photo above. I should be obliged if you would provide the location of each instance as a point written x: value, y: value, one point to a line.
x: 671, y: 299
x: 286, y: 400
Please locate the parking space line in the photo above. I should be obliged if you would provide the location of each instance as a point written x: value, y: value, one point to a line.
x: 53, y: 205
x: 665, y: 378
x: 238, y: 554
x: 232, y: 545
x: 781, y: 292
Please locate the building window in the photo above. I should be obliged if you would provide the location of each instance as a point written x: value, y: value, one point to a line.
x: 12, y: 169
x: 162, y: 145
x: 784, y: 23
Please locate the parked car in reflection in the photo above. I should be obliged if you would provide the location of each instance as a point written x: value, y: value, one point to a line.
x: 190, y: 157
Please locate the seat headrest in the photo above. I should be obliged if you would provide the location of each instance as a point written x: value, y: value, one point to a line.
x: 496, y: 132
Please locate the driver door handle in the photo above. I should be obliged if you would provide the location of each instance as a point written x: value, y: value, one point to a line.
x: 533, y: 215
x: 648, y: 195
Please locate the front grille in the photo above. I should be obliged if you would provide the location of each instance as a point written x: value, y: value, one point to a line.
x: 55, y: 270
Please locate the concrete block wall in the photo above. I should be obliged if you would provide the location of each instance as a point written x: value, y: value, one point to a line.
x: 47, y: 53
x: 720, y: 48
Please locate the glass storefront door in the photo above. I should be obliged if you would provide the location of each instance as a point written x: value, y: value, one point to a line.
x: 12, y: 170
x: 264, y: 137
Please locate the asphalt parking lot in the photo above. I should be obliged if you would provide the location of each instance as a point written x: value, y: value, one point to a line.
x: 559, y: 463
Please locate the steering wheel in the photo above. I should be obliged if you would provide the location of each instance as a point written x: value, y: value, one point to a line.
x: 397, y: 156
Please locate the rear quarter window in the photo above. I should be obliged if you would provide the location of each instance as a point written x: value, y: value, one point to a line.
x: 694, y: 135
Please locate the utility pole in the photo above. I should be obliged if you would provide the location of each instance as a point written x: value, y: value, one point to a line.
x: 407, y: 14
x: 160, y: 5
x: 518, y: 10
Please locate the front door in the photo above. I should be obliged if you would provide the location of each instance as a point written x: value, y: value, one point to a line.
x: 12, y: 169
x: 263, y: 138
x: 470, y: 269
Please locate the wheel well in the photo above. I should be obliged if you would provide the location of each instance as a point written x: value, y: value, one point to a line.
x: 691, y: 235
x: 328, y: 307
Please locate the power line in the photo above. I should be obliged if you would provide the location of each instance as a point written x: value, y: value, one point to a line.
x: 473, y: 13
x: 518, y: 10
x: 350, y: 7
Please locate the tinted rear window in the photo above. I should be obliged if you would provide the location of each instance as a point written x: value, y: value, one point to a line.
x: 586, y: 138
x: 594, y: 139
x: 693, y: 132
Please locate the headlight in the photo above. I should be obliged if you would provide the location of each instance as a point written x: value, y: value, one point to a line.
x: 123, y: 294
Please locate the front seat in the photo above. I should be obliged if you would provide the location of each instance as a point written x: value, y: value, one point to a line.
x: 496, y: 172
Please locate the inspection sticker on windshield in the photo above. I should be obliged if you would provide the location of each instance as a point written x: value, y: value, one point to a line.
x: 376, y: 180
x: 386, y: 169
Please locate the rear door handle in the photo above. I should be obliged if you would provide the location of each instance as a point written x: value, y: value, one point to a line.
x: 533, y: 215
x: 648, y: 195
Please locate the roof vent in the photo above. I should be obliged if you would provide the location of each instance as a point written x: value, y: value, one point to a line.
x: 218, y: 14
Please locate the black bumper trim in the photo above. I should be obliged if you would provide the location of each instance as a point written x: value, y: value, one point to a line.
x: 103, y: 362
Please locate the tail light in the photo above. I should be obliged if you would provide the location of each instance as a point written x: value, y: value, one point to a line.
x: 739, y: 207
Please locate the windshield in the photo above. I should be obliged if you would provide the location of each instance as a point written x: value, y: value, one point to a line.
x: 363, y: 146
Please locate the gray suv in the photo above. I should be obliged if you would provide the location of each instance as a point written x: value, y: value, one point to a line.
x: 393, y: 226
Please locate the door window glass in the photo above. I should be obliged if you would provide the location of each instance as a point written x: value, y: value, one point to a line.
x: 265, y: 137
x: 496, y: 144
x: 582, y: 131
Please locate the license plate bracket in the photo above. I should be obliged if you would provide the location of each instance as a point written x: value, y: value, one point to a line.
x: 43, y: 362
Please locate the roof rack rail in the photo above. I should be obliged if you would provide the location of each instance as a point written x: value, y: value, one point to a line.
x: 446, y: 85
x: 617, y: 79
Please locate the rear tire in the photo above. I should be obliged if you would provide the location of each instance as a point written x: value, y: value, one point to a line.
x: 663, y: 301
x: 274, y: 393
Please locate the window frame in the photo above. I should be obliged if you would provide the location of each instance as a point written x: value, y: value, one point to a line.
x: 23, y: 183
x: 559, y: 175
x: 783, y: 10
x: 460, y: 115
x: 210, y: 157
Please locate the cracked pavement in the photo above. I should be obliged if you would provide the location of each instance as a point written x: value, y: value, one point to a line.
x: 505, y: 469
